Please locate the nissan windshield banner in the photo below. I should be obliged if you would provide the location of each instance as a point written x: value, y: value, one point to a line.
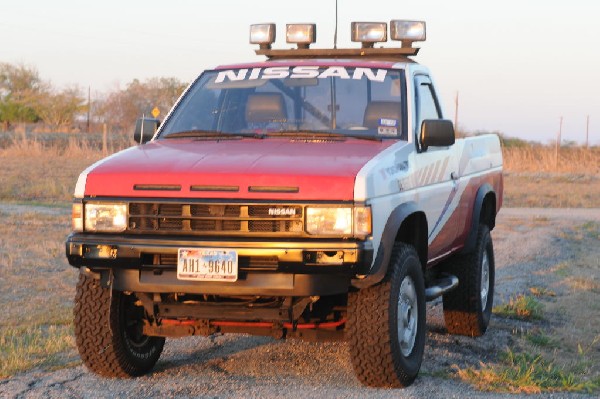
x: 301, y: 72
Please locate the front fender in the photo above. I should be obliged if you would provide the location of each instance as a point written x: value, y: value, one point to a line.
x: 384, y: 252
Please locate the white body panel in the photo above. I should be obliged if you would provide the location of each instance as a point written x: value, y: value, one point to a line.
x: 435, y: 179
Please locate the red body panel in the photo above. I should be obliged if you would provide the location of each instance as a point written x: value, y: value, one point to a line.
x: 454, y: 234
x: 321, y: 171
x: 313, y: 62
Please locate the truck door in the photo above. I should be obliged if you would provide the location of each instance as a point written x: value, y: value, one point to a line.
x: 435, y: 171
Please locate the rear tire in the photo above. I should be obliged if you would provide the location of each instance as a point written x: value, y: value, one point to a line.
x: 468, y: 308
x: 108, y: 332
x: 386, y: 324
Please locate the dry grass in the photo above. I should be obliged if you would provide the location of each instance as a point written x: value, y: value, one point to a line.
x: 38, y: 171
x: 24, y: 348
x: 546, y: 190
x: 534, y: 178
x: 559, y: 352
x: 536, y: 159
x: 44, y: 169
x: 527, y: 374
x: 36, y: 292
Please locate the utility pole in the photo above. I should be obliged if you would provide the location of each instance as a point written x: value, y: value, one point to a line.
x: 456, y: 112
x: 558, y: 140
x: 89, y: 108
x: 587, y: 132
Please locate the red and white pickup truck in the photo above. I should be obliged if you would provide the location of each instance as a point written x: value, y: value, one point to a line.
x: 319, y: 194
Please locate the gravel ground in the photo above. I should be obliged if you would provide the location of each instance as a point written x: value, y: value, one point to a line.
x: 526, y: 242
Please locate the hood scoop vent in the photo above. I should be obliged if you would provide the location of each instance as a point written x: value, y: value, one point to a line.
x: 273, y: 189
x: 157, y: 187
x: 214, y: 188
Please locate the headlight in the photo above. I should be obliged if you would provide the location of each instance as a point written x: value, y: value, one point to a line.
x: 105, y: 217
x: 344, y: 221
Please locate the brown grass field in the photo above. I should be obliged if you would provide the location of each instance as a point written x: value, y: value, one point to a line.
x: 534, y: 178
x: 44, y: 171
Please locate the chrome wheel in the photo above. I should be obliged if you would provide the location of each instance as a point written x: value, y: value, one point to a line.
x: 485, y: 279
x: 407, y: 316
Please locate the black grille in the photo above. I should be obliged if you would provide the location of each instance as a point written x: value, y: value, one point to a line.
x: 220, y: 219
x: 265, y: 263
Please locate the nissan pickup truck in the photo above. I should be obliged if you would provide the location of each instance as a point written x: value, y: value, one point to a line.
x: 317, y: 194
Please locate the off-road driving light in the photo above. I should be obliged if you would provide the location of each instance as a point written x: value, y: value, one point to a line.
x: 263, y: 35
x: 105, y: 217
x: 301, y: 34
x: 407, y: 31
x: 369, y: 33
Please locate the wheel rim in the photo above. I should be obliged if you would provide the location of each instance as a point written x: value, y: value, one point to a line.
x: 132, y: 330
x: 407, y: 316
x: 485, y: 279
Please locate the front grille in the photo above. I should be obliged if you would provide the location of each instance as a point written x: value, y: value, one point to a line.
x: 245, y: 263
x: 220, y: 219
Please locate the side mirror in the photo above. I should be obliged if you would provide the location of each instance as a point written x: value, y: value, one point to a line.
x: 145, y: 129
x: 437, y: 133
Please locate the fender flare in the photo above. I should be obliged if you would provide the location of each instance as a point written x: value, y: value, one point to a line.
x: 471, y: 240
x: 388, y: 238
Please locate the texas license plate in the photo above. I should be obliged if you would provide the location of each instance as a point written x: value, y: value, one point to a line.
x: 207, y: 264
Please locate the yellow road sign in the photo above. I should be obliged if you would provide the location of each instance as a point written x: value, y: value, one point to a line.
x: 155, y: 112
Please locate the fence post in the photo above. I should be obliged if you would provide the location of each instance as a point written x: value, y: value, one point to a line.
x: 104, y: 139
x: 558, y: 139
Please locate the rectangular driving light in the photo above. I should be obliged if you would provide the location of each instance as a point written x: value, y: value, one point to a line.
x: 301, y: 34
x: 407, y: 31
x: 369, y: 33
x: 263, y: 35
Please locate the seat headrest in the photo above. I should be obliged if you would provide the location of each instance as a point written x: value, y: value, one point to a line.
x: 265, y: 108
x: 377, y: 110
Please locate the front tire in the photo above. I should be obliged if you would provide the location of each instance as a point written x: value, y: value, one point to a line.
x: 468, y: 308
x: 386, y: 324
x: 108, y: 332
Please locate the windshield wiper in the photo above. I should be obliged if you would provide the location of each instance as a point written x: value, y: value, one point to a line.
x: 319, y: 134
x: 211, y: 134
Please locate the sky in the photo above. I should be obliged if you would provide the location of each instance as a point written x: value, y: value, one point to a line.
x: 517, y: 66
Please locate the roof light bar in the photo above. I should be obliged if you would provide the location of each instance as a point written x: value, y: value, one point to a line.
x: 301, y: 34
x: 263, y: 35
x: 369, y: 33
x: 407, y: 31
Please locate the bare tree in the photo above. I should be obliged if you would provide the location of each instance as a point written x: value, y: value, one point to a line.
x: 59, y: 108
x: 121, y: 108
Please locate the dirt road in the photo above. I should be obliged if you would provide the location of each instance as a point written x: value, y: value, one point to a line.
x: 528, y: 244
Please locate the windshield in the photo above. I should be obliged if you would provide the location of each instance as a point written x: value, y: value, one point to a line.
x: 336, y: 100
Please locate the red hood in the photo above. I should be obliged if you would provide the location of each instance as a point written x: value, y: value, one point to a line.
x: 288, y: 170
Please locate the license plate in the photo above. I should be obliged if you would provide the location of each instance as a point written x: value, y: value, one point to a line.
x: 207, y: 264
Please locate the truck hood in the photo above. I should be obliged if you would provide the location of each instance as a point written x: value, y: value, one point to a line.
x: 272, y: 168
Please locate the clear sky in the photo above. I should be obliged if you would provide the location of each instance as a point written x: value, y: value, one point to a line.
x: 518, y: 65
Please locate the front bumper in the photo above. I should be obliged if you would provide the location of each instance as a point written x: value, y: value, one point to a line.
x: 266, y: 267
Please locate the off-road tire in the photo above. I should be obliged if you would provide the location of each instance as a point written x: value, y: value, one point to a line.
x: 375, y: 348
x: 108, y: 332
x: 464, y: 312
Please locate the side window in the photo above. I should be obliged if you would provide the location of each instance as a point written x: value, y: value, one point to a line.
x: 427, y: 106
